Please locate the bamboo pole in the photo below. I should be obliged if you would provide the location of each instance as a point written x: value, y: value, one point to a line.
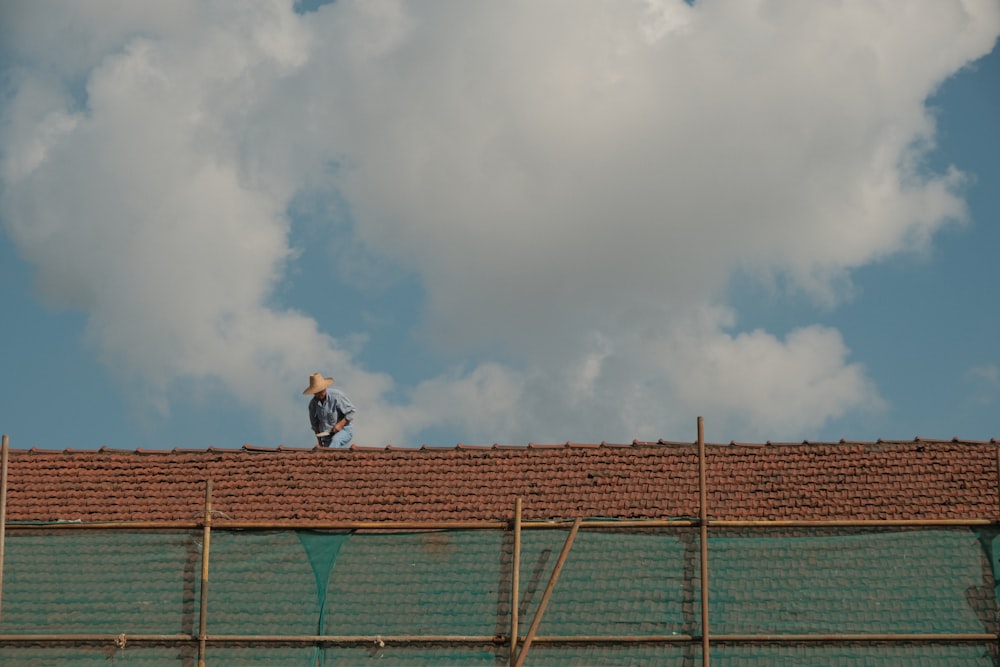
x: 888, y: 637
x: 502, y: 525
x: 538, y: 639
x: 771, y: 638
x: 274, y: 525
x: 703, y: 520
x: 102, y: 638
x: 543, y: 603
x: 4, y: 449
x: 360, y: 639
x: 616, y: 639
x: 363, y: 525
x: 852, y: 523
x: 515, y: 584
x: 206, y: 542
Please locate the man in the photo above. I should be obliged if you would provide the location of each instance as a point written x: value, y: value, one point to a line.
x: 331, y: 413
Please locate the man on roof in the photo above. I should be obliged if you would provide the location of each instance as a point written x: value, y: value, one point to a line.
x: 331, y: 413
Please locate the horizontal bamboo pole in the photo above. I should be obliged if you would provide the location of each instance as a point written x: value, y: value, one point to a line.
x: 233, y: 639
x: 618, y: 639
x: 96, y: 638
x: 221, y: 524
x: 859, y: 637
x: 360, y: 639
x: 107, y: 525
x: 361, y: 525
x: 499, y: 639
x: 848, y: 523
x: 772, y: 638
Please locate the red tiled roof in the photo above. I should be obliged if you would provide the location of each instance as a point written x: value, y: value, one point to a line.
x: 880, y: 480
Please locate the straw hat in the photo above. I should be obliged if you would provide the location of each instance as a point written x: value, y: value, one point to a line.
x: 317, y: 383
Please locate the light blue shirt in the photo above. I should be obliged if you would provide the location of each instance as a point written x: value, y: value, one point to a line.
x: 324, y: 414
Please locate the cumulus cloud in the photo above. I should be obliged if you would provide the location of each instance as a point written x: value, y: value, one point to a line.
x: 574, y: 184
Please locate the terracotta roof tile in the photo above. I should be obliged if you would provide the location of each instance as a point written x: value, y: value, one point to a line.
x: 876, y: 480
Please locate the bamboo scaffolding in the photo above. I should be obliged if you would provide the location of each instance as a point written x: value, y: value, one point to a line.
x: 515, y: 581
x: 703, y: 519
x: 205, y: 549
x: 917, y: 637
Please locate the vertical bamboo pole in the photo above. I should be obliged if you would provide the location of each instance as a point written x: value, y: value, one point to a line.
x: 703, y: 502
x: 3, y: 512
x: 515, y: 585
x: 206, y: 540
x: 530, y: 637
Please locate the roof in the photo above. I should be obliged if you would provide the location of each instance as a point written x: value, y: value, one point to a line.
x: 903, y: 480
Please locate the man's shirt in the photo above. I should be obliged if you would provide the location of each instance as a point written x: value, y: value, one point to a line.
x: 324, y: 414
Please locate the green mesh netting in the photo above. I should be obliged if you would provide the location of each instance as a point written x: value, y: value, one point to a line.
x: 626, y: 583
x: 84, y: 582
x: 890, y: 582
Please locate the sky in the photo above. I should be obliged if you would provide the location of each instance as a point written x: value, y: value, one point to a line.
x: 499, y: 222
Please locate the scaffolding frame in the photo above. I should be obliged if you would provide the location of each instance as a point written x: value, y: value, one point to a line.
x: 518, y: 645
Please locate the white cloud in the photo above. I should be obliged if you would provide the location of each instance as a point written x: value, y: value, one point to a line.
x: 574, y: 183
x: 988, y: 373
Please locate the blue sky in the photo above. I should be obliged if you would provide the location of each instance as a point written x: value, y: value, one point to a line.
x: 499, y: 222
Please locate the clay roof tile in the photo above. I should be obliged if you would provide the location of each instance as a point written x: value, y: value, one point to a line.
x: 883, y: 479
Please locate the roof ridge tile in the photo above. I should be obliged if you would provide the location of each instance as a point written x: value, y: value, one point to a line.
x: 257, y: 448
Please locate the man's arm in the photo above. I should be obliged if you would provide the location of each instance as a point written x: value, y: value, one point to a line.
x: 346, y: 408
x: 314, y: 422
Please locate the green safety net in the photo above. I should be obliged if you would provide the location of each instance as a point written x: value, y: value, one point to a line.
x: 447, y: 583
